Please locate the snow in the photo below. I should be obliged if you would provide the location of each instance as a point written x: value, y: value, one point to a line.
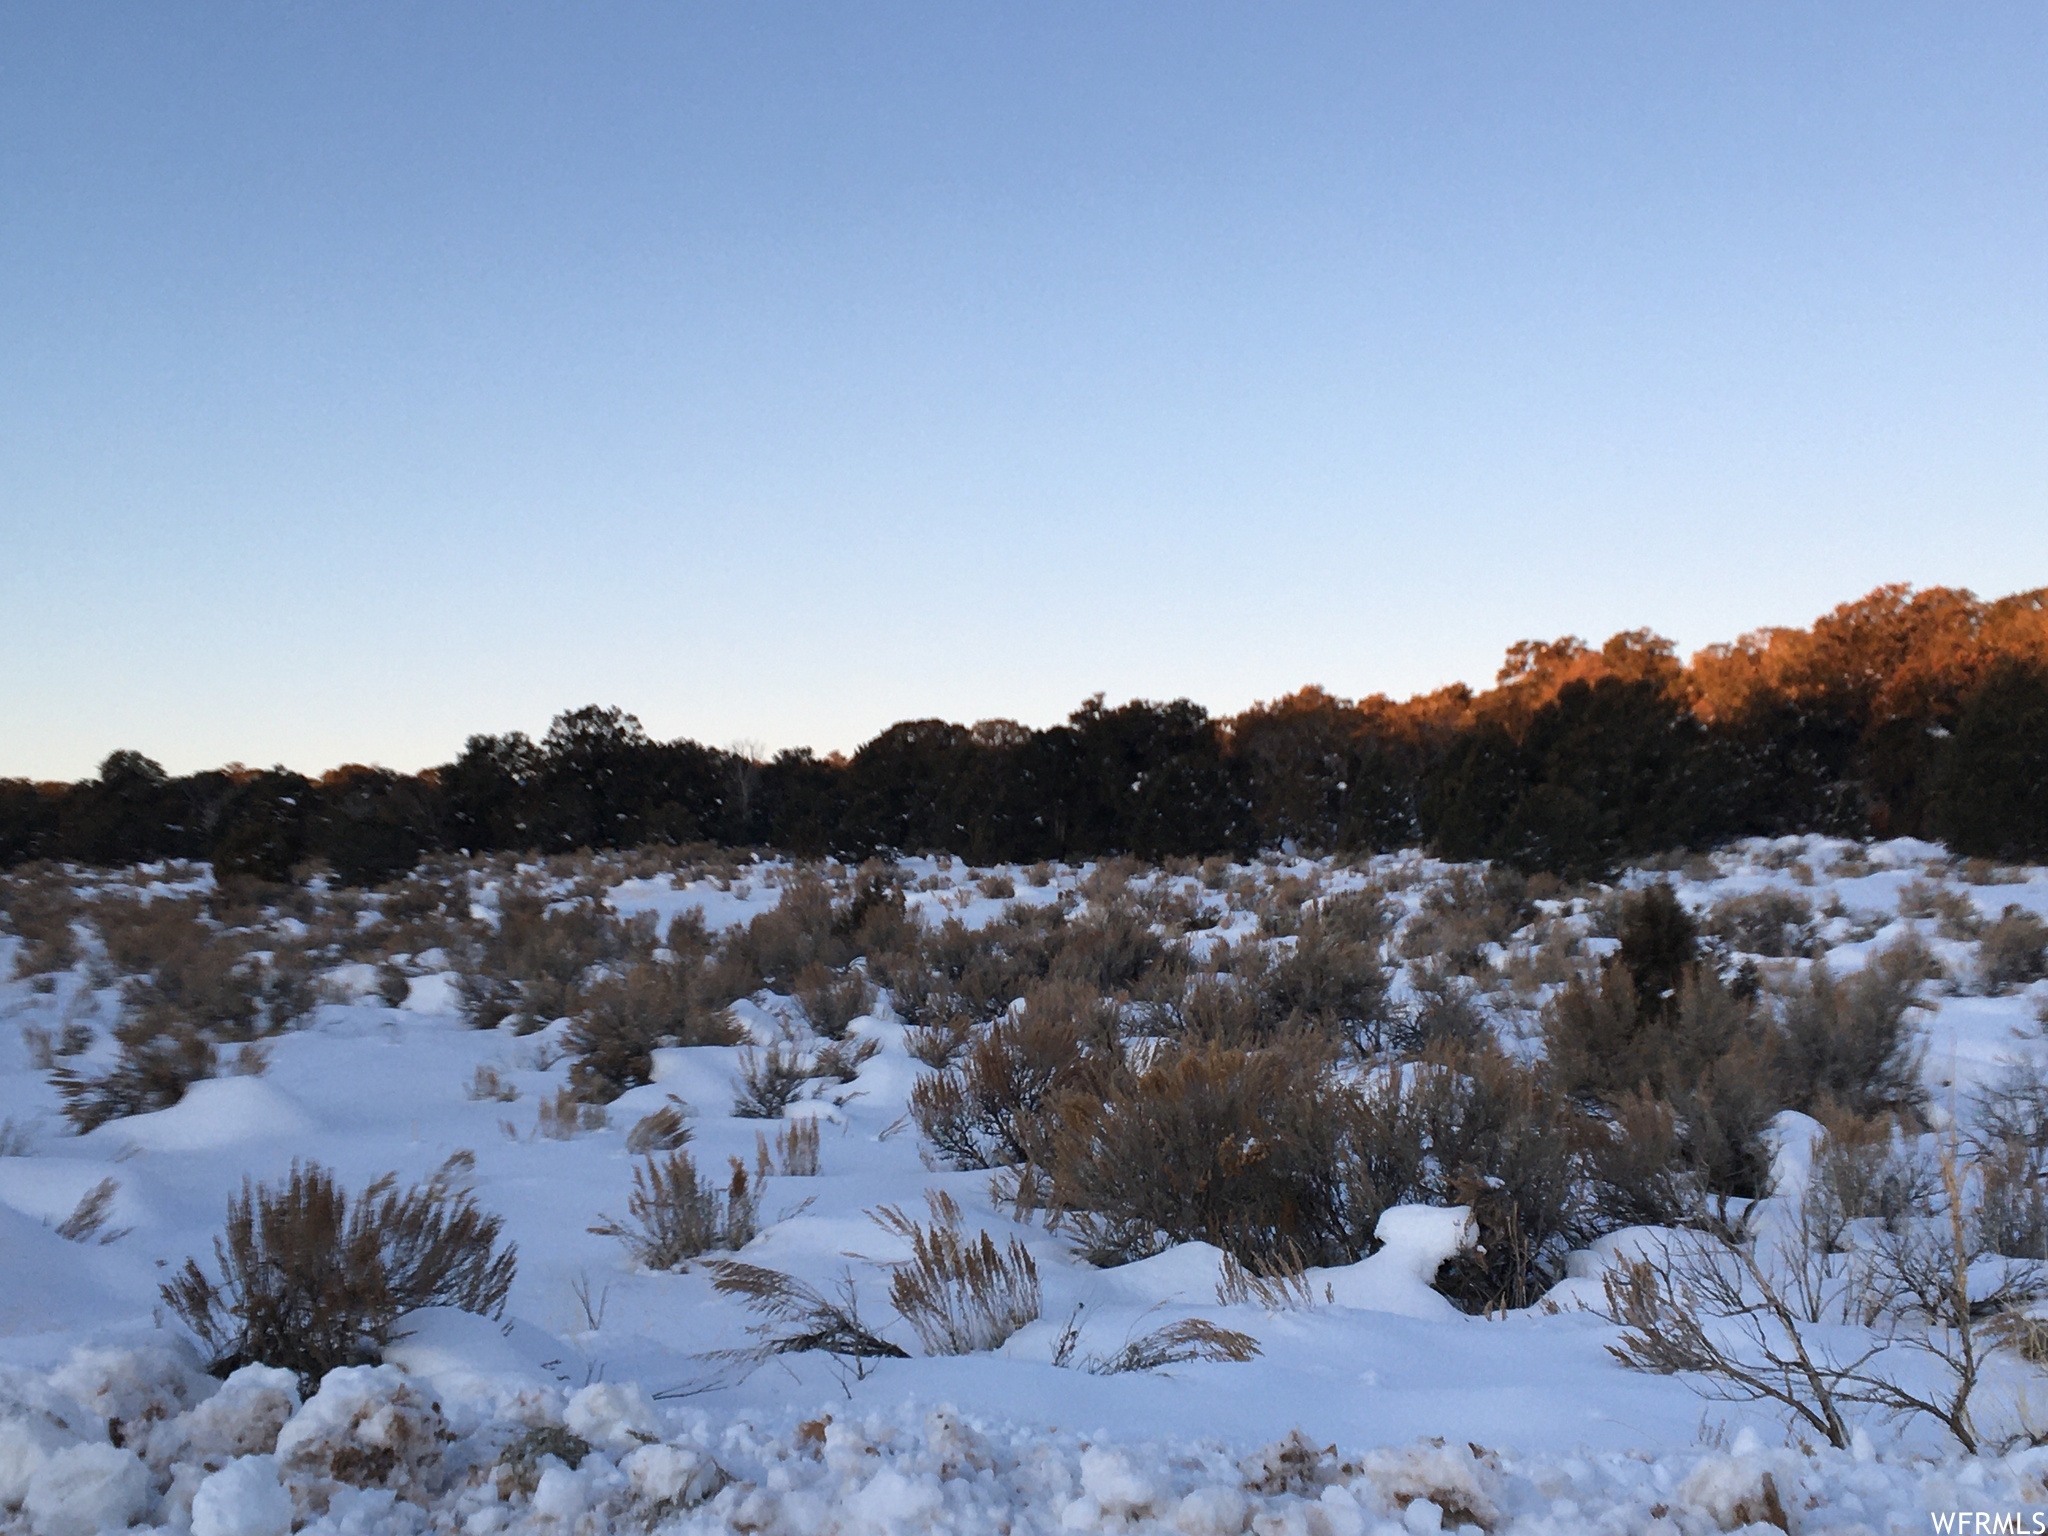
x: 216, y: 1113
x: 86, y: 1488
x: 244, y: 1498
x: 1377, y: 1408
x: 1416, y: 1241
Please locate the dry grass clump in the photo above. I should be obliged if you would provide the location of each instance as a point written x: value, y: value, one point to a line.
x: 1186, y: 1342
x: 623, y: 1019
x: 673, y: 1215
x: 961, y: 1295
x: 1278, y: 1282
x: 799, y: 1319
x: 795, y: 1153
x: 88, y: 1219
x: 1776, y: 924
x: 487, y: 1082
x: 840, y: 1061
x: 312, y: 1279
x: 661, y: 1130
x: 2013, y: 951
x: 1981, y: 871
x: 562, y: 1114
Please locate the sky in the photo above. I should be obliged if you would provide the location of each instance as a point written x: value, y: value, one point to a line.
x: 376, y: 374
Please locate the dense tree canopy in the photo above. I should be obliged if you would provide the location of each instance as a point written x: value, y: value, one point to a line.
x: 1902, y: 713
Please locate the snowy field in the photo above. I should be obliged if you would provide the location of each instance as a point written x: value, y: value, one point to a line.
x: 1372, y: 1405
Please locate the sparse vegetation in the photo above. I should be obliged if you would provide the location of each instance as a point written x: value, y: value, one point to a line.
x: 673, y: 1214
x: 962, y: 1295
x: 311, y: 1278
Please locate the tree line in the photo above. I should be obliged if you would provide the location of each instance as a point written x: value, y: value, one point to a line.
x: 1902, y: 713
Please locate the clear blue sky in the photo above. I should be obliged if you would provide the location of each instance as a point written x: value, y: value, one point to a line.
x: 374, y: 374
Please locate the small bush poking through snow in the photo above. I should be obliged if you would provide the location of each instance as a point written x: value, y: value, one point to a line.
x: 770, y: 1082
x: 962, y: 1295
x: 311, y: 1279
x: 623, y: 1019
x: 673, y: 1215
x: 795, y: 1154
x: 832, y: 1000
x: 2014, y: 951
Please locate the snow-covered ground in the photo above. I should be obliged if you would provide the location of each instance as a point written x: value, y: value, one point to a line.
x: 1376, y: 1407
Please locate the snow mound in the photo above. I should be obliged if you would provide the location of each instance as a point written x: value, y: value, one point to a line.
x: 244, y: 1498
x: 216, y: 1112
x: 135, y: 1387
x: 241, y: 1420
x: 1458, y: 1487
x: 434, y: 993
x: 1415, y: 1241
x: 613, y: 1416
x: 87, y: 1488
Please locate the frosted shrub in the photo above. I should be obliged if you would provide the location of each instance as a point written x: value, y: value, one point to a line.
x: 795, y: 1153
